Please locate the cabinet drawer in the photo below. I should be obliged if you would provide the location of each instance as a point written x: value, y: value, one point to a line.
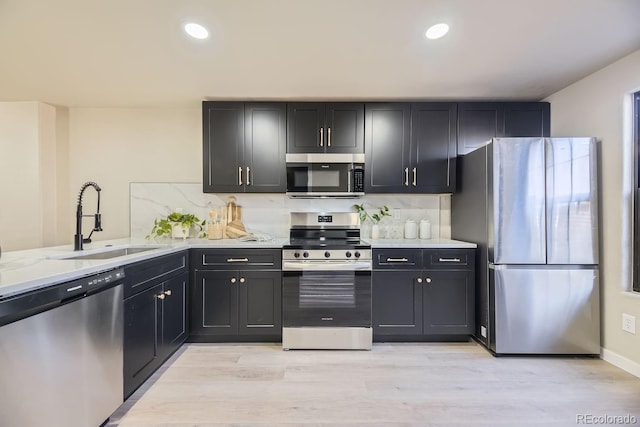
x: 397, y: 259
x: 449, y: 258
x: 237, y: 259
x: 144, y: 274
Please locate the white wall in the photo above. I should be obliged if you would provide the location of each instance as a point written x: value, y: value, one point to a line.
x: 599, y: 105
x: 116, y: 146
x: 28, y: 169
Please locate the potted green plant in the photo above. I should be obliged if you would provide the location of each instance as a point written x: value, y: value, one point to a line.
x: 177, y: 225
x: 375, y: 218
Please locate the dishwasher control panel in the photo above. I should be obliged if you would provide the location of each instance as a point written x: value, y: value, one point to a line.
x: 29, y: 303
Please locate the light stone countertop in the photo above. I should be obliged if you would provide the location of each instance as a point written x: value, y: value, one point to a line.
x: 27, y: 270
x: 420, y: 243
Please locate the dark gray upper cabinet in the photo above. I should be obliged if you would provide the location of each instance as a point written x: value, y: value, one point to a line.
x: 433, y: 145
x: 526, y: 119
x: 478, y: 122
x: 410, y: 148
x: 244, y: 147
x: 387, y: 147
x: 325, y: 127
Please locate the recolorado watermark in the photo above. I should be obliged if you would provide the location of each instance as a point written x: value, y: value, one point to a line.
x: 606, y: 419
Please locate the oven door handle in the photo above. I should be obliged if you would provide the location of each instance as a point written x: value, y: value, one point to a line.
x: 326, y: 266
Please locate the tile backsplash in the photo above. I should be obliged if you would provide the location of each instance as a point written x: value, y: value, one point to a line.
x: 268, y: 214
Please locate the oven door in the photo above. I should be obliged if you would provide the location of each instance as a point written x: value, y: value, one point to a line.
x: 326, y: 298
x: 316, y: 179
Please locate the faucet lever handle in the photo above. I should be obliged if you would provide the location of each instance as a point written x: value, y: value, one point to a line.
x: 98, y: 222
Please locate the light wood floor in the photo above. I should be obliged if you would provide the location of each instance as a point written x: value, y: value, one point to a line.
x: 426, y: 384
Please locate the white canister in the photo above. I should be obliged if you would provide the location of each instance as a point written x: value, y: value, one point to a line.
x: 425, y: 229
x: 410, y: 229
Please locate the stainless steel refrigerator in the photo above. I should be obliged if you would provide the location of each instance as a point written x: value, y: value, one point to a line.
x: 531, y: 206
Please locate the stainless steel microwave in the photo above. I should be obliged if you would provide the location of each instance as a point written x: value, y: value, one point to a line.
x: 325, y: 175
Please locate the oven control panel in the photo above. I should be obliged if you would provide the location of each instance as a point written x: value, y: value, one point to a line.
x: 326, y: 254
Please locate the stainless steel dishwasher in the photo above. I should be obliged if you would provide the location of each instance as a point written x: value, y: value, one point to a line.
x: 61, y: 353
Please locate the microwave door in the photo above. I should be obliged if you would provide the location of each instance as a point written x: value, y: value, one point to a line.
x: 314, y: 178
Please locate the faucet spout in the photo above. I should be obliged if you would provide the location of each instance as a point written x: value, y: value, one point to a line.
x: 78, y: 240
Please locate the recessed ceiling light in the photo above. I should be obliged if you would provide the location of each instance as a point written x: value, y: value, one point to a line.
x: 196, y: 31
x: 437, y: 31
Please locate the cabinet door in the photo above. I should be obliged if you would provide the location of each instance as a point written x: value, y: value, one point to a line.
x: 214, y: 307
x: 141, y: 347
x: 260, y: 305
x: 223, y: 129
x: 396, y: 303
x: 265, y: 143
x: 344, y: 127
x: 448, y: 302
x: 174, y: 313
x: 478, y: 122
x: 526, y: 119
x: 387, y: 141
x: 305, y: 122
x: 433, y: 147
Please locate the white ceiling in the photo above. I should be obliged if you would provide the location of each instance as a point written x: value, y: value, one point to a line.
x: 134, y: 52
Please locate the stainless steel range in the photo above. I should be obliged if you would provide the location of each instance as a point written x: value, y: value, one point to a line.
x: 326, y: 287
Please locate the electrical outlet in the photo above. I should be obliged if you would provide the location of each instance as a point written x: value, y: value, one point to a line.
x: 629, y: 323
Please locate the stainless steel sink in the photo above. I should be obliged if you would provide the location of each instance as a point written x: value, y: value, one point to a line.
x: 109, y: 253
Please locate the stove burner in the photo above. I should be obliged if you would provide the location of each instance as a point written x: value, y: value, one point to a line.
x: 310, y: 238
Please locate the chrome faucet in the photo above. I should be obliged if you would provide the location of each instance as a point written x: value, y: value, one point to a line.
x: 78, y: 240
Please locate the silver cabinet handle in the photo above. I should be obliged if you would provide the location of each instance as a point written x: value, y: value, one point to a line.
x: 248, y: 176
x: 242, y: 280
x: 406, y: 177
x: 237, y: 259
x: 162, y: 296
x: 448, y: 259
x: 329, y: 137
x: 428, y: 279
x: 321, y: 137
x: 419, y: 279
x: 239, y: 175
x: 233, y: 280
x: 414, y: 177
x: 397, y: 260
x: 168, y: 293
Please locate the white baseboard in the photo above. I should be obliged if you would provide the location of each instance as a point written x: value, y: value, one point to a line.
x: 621, y: 362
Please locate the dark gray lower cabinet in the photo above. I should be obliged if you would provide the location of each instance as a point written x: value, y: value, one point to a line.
x: 423, y: 294
x: 446, y: 302
x: 397, y: 303
x: 231, y: 304
x: 155, y: 316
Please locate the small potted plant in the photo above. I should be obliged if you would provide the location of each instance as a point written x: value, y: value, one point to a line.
x: 177, y: 225
x: 375, y: 218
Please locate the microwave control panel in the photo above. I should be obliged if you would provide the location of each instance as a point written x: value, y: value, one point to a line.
x: 358, y: 179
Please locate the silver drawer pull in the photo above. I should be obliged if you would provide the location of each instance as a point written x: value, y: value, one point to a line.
x: 397, y: 260
x: 448, y: 259
x: 237, y: 259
